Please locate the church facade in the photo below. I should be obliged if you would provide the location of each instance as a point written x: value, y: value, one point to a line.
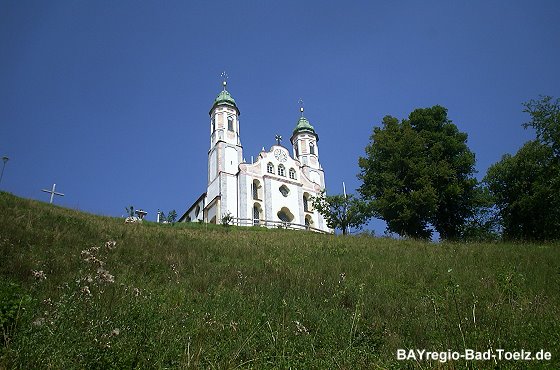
x: 273, y: 191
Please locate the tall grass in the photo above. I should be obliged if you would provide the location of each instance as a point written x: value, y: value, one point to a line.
x: 191, y: 296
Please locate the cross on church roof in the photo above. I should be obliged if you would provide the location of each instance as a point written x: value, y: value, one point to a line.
x: 224, y: 79
x: 278, y: 139
x: 300, y: 101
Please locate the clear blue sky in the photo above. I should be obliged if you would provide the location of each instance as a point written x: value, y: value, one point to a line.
x: 110, y: 99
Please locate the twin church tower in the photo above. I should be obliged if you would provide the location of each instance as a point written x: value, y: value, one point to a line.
x: 274, y: 191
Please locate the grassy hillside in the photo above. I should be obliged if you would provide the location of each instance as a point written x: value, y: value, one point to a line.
x: 191, y: 296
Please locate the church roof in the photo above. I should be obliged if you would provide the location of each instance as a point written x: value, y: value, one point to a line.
x: 303, y: 125
x: 224, y: 97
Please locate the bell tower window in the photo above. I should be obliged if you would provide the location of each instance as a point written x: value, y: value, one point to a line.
x: 230, y: 123
x: 311, y: 148
x: 270, y: 168
x: 213, y: 124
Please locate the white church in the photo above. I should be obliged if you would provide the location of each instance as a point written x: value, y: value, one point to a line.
x: 274, y: 191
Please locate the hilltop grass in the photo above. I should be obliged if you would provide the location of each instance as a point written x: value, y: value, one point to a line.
x: 191, y: 296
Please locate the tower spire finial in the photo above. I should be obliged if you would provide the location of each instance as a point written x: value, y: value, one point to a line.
x: 300, y: 101
x: 224, y: 79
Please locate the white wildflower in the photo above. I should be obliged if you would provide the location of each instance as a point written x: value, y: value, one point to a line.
x: 300, y: 328
x: 104, y: 276
x: 111, y: 244
x: 85, y: 290
x: 39, y: 275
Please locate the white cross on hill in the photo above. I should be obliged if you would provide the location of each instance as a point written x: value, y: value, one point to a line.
x: 52, y: 192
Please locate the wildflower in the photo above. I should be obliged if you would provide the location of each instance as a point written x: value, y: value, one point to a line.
x: 104, y: 276
x: 111, y: 244
x: 449, y: 270
x: 300, y: 328
x: 342, y: 277
x: 85, y: 290
x: 136, y: 292
x: 115, y: 332
x: 39, y: 275
x: 208, y: 319
x: 39, y: 321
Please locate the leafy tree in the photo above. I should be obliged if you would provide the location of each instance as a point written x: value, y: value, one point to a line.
x: 526, y: 186
x: 418, y: 174
x: 484, y: 223
x: 526, y: 190
x: 129, y: 211
x: 341, y: 212
x: 545, y: 119
x: 171, y: 216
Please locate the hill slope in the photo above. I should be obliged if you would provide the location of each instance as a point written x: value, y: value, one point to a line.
x: 200, y: 296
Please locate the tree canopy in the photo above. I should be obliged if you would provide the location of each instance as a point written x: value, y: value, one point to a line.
x: 526, y: 186
x: 545, y: 119
x: 418, y: 174
x: 341, y: 211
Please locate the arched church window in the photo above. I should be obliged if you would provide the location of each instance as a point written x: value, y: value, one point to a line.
x: 281, y: 170
x: 213, y: 124
x: 306, y: 202
x: 230, y: 123
x: 296, y: 149
x: 255, y: 189
x: 308, y: 221
x: 256, y: 214
x: 270, y: 168
x: 292, y: 173
x: 311, y: 148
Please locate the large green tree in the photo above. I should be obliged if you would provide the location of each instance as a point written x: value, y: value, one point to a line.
x: 418, y: 175
x: 526, y: 186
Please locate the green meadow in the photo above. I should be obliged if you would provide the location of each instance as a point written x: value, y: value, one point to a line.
x: 79, y: 291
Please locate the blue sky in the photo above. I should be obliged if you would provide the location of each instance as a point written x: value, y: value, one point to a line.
x: 110, y: 99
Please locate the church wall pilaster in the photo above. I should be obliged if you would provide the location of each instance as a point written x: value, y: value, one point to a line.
x: 301, y: 214
x: 243, y: 193
x: 267, y: 196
